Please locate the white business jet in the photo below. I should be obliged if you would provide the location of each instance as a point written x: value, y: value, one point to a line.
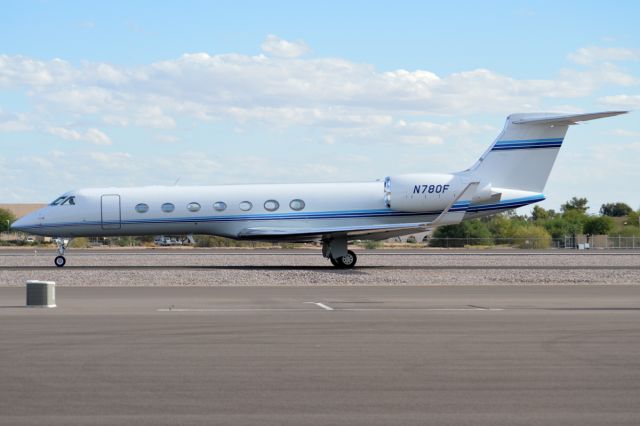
x: 511, y: 173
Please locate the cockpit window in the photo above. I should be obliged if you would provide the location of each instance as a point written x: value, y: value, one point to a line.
x: 57, y: 201
x: 65, y: 199
x: 70, y: 201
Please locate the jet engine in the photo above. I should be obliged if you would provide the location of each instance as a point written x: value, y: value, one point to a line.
x: 421, y: 192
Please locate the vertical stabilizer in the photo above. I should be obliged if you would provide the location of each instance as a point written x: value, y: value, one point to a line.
x: 522, y: 155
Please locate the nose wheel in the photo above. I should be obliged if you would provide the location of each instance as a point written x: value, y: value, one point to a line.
x: 60, y: 261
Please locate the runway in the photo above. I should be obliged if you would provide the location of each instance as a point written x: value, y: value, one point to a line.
x: 323, y: 355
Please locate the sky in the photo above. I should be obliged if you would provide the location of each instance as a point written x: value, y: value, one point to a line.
x: 124, y: 93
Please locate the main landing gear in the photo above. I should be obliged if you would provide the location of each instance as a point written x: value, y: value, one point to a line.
x: 336, y: 251
x: 60, y: 261
x: 347, y: 261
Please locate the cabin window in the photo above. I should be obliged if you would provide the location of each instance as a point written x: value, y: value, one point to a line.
x: 245, y: 206
x: 297, y: 204
x: 142, y: 208
x: 271, y: 205
x: 57, y: 201
x: 168, y: 207
x: 220, y: 206
x: 193, y: 207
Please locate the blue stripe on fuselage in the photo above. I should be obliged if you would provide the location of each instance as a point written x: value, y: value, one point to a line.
x: 460, y: 206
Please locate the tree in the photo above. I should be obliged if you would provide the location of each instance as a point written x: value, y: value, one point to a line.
x: 558, y: 227
x: 539, y: 213
x: 598, y: 225
x: 500, y: 226
x: 575, y: 203
x: 575, y: 219
x: 615, y: 209
x: 6, y: 218
x: 570, y: 222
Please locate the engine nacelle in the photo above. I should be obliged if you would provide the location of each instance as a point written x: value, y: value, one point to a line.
x: 422, y: 192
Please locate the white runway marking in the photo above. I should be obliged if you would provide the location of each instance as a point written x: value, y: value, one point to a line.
x: 322, y: 305
x: 229, y: 309
x: 421, y: 309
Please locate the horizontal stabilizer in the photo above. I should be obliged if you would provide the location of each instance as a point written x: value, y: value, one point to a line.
x: 567, y: 119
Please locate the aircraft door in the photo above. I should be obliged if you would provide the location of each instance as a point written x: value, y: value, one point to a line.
x: 110, y: 211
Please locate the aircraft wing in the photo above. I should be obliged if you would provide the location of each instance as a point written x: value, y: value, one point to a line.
x: 260, y: 232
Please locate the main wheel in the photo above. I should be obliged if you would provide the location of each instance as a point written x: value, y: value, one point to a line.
x: 334, y: 262
x: 347, y: 261
x: 60, y: 261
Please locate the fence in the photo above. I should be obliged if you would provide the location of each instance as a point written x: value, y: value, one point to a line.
x: 568, y: 242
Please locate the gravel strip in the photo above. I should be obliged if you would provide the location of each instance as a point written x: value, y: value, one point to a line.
x: 304, y: 270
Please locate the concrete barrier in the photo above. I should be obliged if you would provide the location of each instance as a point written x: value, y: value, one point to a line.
x: 41, y: 294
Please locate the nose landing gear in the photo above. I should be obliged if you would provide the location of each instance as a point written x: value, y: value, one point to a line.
x: 60, y: 260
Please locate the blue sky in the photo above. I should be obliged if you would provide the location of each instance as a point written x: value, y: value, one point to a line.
x: 137, y: 93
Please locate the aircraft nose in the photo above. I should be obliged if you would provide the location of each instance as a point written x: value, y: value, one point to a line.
x: 24, y: 223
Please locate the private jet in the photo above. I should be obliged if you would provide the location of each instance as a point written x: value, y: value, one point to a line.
x: 511, y: 173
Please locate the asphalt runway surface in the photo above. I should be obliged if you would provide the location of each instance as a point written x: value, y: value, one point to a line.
x: 452, y: 355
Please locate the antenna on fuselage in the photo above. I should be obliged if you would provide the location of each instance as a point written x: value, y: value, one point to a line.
x: 176, y: 182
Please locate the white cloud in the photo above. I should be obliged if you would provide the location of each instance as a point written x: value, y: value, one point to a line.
x: 112, y: 160
x: 92, y: 135
x: 626, y: 133
x: 334, y: 100
x: 96, y: 137
x: 277, y: 46
x: 167, y: 138
x: 282, y: 90
x: 10, y: 122
x: 593, y: 54
x: 621, y: 101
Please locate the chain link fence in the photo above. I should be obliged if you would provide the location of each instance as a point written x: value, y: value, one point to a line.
x: 568, y: 242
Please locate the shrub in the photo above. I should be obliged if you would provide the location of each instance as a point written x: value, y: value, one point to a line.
x: 626, y: 231
x: 531, y: 237
x: 470, y: 232
x: 372, y: 244
x: 79, y: 242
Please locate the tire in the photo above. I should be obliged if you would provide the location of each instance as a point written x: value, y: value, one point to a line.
x: 346, y: 262
x: 60, y: 261
x: 334, y: 262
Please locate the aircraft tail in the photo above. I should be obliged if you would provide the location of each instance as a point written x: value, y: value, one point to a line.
x: 522, y: 155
